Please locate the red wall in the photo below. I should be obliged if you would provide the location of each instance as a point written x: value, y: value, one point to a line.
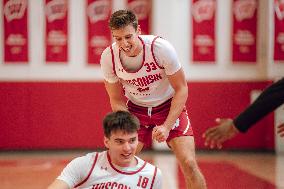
x: 52, y: 115
x: 209, y: 100
x: 67, y: 115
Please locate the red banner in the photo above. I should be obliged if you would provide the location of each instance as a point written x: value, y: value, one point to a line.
x: 279, y: 30
x: 15, y: 31
x: 99, y: 35
x: 203, y: 31
x: 244, y: 31
x: 142, y: 8
x: 56, y: 31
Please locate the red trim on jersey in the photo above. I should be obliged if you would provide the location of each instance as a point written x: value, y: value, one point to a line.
x: 122, y: 172
x: 152, y: 51
x: 112, y: 58
x: 142, y: 60
x: 143, y: 50
x: 91, y: 170
x: 155, y: 173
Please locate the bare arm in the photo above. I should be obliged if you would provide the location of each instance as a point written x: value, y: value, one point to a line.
x: 116, y: 97
x: 178, y: 82
x: 58, y: 184
x: 280, y: 130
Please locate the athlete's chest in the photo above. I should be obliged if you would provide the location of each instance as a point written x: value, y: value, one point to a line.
x: 110, y: 179
x: 146, y: 68
x: 143, y: 65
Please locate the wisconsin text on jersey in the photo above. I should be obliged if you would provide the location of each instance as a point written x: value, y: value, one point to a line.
x: 143, y: 182
x: 113, y: 185
x: 145, y: 80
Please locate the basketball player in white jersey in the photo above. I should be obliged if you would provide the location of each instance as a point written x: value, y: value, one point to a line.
x: 147, y: 71
x: 116, y: 168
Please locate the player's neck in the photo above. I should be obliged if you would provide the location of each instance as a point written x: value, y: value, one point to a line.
x: 138, y: 50
x: 132, y: 164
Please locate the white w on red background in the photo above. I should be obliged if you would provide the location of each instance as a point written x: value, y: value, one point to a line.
x: 279, y: 31
x: 15, y: 31
x: 279, y: 8
x: 56, y: 31
x: 142, y: 8
x: 203, y: 31
x: 244, y: 31
x: 99, y: 36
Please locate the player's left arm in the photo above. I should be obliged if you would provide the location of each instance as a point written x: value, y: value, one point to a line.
x: 179, y: 84
x: 158, y: 183
x: 167, y: 57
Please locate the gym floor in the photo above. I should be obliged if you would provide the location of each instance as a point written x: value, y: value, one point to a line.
x: 222, y: 169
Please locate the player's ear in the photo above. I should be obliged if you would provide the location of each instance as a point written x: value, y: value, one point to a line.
x: 106, y: 142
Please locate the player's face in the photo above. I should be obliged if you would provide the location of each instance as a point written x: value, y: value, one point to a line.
x: 122, y: 147
x: 127, y: 40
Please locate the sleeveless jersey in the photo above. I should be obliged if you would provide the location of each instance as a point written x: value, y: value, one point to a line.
x: 149, y: 85
x: 95, y: 171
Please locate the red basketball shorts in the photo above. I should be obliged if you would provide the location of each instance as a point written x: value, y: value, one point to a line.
x: 151, y: 117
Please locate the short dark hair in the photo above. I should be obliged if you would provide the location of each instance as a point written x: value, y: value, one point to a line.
x: 123, y: 18
x: 120, y: 120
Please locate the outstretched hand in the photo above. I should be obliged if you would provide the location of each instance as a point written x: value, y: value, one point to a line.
x: 225, y: 130
x: 280, y: 130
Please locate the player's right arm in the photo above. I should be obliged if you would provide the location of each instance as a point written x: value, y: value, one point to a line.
x: 113, y: 86
x: 116, y: 97
x: 58, y: 184
x: 75, y: 172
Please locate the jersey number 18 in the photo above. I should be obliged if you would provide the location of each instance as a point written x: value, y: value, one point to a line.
x: 142, y: 182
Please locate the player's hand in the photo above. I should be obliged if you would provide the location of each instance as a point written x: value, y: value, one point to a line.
x: 280, y: 130
x: 215, y: 136
x: 160, y: 133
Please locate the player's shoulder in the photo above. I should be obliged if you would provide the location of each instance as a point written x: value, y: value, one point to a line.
x: 147, y: 165
x: 88, y: 157
x: 156, y: 38
x: 106, y: 51
x: 148, y: 39
x: 106, y: 55
x: 95, y: 157
x: 156, y: 41
x: 83, y: 161
x: 162, y: 43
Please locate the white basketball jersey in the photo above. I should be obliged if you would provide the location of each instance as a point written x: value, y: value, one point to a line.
x: 149, y: 85
x: 95, y: 171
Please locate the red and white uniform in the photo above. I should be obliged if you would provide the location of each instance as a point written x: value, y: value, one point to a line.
x: 147, y: 88
x: 149, y: 85
x: 95, y: 171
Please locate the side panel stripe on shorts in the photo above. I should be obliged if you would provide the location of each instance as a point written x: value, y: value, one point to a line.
x: 188, y: 124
